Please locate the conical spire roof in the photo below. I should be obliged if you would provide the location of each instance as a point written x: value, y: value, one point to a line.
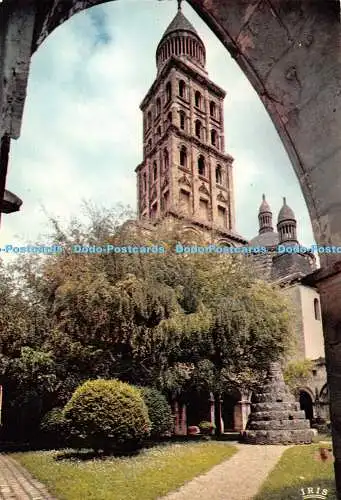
x: 180, y: 23
x: 285, y: 213
x: 264, y: 207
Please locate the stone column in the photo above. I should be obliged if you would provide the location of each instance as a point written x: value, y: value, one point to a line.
x: 328, y: 282
x: 241, y: 413
x: 220, y: 412
x: 212, y: 408
x: 316, y: 405
x: 238, y: 417
x: 176, y: 417
x: 183, y: 421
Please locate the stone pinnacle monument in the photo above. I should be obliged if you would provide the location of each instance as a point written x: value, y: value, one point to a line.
x: 275, y: 416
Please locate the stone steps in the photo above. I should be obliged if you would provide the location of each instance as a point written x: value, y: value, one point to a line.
x: 279, y: 425
x: 278, y: 415
x: 295, y: 436
x: 271, y: 406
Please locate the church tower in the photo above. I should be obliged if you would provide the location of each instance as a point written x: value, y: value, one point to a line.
x: 185, y: 173
x: 287, y: 225
x: 265, y: 217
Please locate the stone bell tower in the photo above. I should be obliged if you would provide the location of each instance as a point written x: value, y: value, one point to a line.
x: 185, y: 173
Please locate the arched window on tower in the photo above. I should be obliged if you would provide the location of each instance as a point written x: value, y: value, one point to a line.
x: 169, y: 118
x: 317, y: 310
x: 182, y: 89
x: 154, y: 171
x: 198, y: 99
x: 166, y: 159
x: 198, y: 129
x: 218, y: 175
x: 183, y: 156
x: 158, y: 132
x: 158, y: 106
x: 213, y: 109
x: 168, y: 91
x: 214, y: 138
x: 201, y: 165
x: 182, y: 120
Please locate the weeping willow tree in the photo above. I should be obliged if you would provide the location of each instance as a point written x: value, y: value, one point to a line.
x: 173, y: 321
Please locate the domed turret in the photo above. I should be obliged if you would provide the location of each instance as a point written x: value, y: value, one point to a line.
x: 265, y: 217
x: 287, y: 225
x: 181, y: 40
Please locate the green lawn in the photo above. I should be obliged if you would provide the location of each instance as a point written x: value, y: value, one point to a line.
x: 152, y: 473
x: 298, y: 468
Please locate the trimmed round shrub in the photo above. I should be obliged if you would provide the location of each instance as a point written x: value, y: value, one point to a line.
x: 107, y: 414
x: 159, y: 411
x: 207, y: 428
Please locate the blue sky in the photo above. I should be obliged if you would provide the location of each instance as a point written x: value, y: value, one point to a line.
x: 82, y: 129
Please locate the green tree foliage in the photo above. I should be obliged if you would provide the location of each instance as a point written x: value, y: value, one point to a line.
x: 297, y: 373
x: 106, y: 414
x: 54, y: 427
x: 159, y: 411
x: 174, y: 322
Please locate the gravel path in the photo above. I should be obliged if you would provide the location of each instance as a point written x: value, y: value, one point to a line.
x: 16, y: 483
x: 238, y: 478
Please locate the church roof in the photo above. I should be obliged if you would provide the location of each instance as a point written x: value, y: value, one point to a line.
x: 268, y: 239
x: 180, y: 23
x: 285, y: 213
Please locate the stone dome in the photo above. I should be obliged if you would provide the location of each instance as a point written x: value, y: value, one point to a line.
x: 268, y: 239
x: 264, y: 207
x: 285, y: 213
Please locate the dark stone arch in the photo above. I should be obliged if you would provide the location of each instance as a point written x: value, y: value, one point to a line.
x: 306, y: 404
x: 229, y: 403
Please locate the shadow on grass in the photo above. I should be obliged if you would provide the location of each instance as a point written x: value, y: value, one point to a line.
x: 88, y: 454
x: 73, y: 453
x: 296, y: 493
x: 11, y: 447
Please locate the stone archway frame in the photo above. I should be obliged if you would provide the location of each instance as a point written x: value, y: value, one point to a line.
x: 308, y: 390
x: 225, y: 242
x: 188, y: 231
x: 236, y: 411
x: 309, y: 393
x: 324, y: 394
